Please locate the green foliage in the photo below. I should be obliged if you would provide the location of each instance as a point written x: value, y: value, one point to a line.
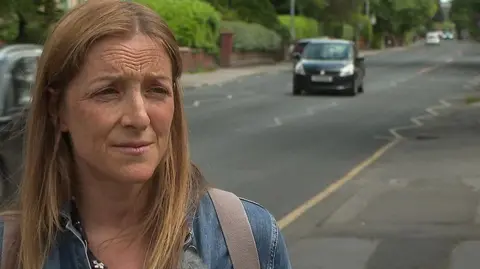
x: 340, y: 11
x: 307, y: 8
x: 340, y: 30
x: 37, y: 17
x: 408, y: 37
x: 252, y: 37
x: 366, y: 28
x: 304, y: 27
x: 464, y: 14
x: 252, y: 11
x: 401, y: 16
x: 9, y: 28
x: 377, y: 41
x: 348, y: 32
x: 444, y: 26
x: 196, y: 24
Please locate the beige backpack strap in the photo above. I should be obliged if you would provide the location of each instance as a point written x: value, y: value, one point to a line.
x: 236, y: 229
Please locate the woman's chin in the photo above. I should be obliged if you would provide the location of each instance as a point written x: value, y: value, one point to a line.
x: 136, y: 173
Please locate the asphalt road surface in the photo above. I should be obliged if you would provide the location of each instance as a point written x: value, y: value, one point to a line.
x: 251, y: 136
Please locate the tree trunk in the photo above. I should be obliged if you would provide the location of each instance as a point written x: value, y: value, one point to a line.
x: 50, y: 6
x: 22, y: 25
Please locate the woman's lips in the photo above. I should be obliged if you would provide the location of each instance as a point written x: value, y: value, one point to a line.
x: 134, y: 150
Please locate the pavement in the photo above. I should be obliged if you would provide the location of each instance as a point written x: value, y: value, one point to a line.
x: 416, y: 207
x: 400, y: 208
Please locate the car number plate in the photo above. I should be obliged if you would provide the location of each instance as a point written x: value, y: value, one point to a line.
x: 320, y: 78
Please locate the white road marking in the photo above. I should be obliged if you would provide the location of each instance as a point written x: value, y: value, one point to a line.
x: 277, y: 121
x: 311, y: 110
x: 196, y: 103
x: 417, y: 121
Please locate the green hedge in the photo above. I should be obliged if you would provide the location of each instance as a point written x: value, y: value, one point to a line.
x: 378, y: 41
x: 252, y: 37
x: 339, y: 30
x: 196, y: 24
x: 304, y: 27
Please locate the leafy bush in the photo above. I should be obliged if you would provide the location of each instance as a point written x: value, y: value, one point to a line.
x: 378, y: 41
x: 304, y: 27
x: 9, y: 29
x: 408, y: 37
x: 196, y: 24
x: 252, y: 11
x: 348, y: 32
x: 339, y: 30
x: 252, y: 37
x: 366, y: 30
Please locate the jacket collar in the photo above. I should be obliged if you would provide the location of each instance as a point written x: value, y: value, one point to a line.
x: 66, y: 222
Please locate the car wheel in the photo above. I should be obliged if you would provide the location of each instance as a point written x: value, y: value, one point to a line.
x: 352, y: 91
x: 296, y: 90
x: 360, y: 88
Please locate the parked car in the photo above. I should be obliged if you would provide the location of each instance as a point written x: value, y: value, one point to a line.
x: 432, y: 38
x: 329, y: 65
x: 449, y: 35
x: 17, y: 74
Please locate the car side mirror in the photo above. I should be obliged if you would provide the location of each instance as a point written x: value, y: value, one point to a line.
x: 360, y: 59
x: 296, y: 56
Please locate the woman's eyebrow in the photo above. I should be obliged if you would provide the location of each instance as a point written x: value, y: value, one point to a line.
x: 105, y: 77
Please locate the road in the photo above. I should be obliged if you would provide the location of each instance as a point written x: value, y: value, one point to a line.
x: 251, y: 136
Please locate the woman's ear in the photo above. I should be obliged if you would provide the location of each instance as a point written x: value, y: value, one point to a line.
x: 55, y: 110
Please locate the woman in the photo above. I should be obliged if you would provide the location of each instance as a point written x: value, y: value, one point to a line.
x: 108, y: 180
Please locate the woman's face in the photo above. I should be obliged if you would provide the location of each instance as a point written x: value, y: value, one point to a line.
x: 119, y: 108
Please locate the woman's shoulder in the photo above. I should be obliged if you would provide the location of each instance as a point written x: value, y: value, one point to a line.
x: 267, y: 235
x: 259, y: 217
x: 261, y: 220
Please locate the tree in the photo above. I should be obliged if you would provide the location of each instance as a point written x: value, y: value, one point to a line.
x: 399, y: 17
x: 464, y: 13
x: 307, y: 8
x: 39, y: 14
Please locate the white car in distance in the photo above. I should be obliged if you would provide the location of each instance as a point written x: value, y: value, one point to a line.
x: 432, y: 38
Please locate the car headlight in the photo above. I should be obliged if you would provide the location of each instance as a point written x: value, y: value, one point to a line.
x: 347, y: 70
x: 299, y: 69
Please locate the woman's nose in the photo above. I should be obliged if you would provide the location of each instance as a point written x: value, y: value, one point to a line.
x: 135, y: 111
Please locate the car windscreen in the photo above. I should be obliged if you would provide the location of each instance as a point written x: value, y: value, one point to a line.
x: 327, y: 51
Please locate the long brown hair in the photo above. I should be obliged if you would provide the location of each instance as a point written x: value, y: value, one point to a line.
x: 48, y: 177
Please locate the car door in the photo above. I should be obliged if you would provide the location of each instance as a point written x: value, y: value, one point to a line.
x: 15, y: 99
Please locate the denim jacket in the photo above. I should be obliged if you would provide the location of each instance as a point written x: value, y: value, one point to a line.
x: 204, y: 242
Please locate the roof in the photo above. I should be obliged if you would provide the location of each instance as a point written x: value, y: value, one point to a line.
x: 325, y: 39
x: 17, y: 47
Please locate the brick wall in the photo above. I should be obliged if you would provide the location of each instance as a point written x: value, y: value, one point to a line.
x: 196, y: 60
x: 251, y: 58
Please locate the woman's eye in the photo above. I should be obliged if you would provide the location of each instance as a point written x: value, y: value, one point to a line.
x: 108, y: 91
x: 159, y: 90
x: 106, y: 94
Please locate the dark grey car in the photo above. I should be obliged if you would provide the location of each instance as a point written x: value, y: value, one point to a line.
x: 332, y: 65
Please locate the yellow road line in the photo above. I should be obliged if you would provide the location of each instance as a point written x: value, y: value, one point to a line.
x: 299, y: 211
